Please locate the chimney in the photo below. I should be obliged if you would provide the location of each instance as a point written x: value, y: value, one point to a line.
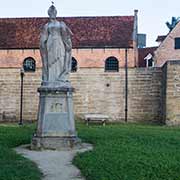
x: 135, y: 37
x: 135, y: 29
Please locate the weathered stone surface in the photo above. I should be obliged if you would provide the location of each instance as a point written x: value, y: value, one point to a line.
x: 92, y: 95
x: 55, y: 48
x: 55, y: 143
x: 171, y: 90
x: 56, y: 127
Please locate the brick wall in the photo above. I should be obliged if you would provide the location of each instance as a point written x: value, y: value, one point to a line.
x: 96, y: 92
x: 166, y: 51
x: 85, y: 57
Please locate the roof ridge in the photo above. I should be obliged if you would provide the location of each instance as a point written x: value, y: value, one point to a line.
x: 113, y: 16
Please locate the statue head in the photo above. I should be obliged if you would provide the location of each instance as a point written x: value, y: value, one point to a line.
x: 52, y: 12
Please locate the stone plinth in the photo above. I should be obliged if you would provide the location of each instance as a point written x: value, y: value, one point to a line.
x: 56, y: 127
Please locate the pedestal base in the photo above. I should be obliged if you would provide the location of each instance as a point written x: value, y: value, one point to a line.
x: 55, y: 143
x: 56, y: 127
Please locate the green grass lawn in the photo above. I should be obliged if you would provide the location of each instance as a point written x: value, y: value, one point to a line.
x: 130, y: 152
x: 12, y: 165
x: 121, y: 152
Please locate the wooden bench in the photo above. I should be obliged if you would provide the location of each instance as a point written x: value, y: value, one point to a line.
x: 96, y: 118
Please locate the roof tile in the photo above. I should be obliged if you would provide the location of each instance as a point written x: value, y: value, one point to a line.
x: 97, y: 32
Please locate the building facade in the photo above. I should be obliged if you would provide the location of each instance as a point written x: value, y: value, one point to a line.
x: 169, y: 48
x: 100, y: 48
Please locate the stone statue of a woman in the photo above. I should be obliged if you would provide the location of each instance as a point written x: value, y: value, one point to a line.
x: 55, y: 49
x: 56, y: 126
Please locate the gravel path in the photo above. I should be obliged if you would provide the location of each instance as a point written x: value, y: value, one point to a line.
x: 55, y: 165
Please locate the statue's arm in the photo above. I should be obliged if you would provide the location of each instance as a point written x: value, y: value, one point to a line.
x: 69, y: 35
x: 66, y: 36
x: 43, y: 38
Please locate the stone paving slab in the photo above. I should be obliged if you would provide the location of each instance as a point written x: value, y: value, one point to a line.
x: 55, y: 165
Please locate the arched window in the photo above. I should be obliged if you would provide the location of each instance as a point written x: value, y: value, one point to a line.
x: 29, y: 64
x: 112, y: 64
x: 74, y: 65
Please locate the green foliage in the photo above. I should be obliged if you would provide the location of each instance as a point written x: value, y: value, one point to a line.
x: 12, y: 165
x: 130, y: 152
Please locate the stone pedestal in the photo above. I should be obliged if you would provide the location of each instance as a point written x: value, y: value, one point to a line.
x: 56, y: 126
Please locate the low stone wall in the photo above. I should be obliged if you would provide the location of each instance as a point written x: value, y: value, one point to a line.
x: 96, y: 92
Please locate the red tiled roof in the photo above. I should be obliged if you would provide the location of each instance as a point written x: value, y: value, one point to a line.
x: 161, y: 38
x: 142, y: 53
x: 112, y: 31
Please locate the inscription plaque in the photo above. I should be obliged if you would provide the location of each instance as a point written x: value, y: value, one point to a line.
x: 55, y: 124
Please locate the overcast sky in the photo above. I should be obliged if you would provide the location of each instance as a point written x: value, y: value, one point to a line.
x: 152, y: 13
